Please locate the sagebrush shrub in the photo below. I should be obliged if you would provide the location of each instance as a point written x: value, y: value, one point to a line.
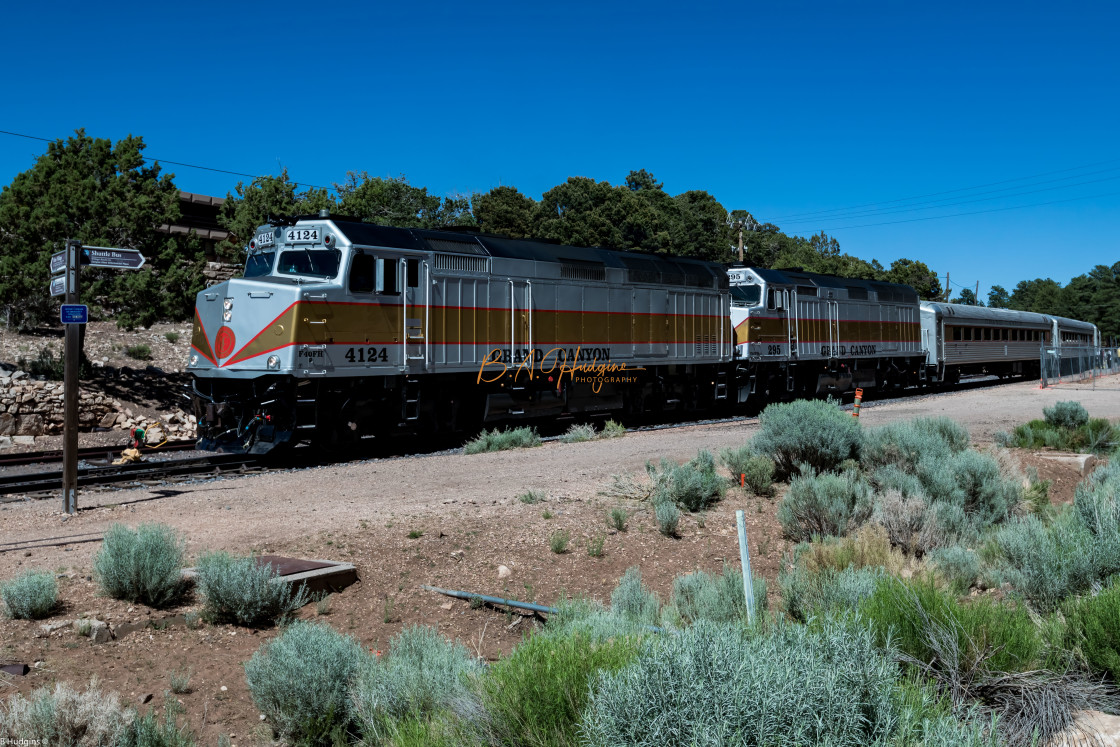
x: 755, y: 471
x: 824, y: 505
x: 719, y: 598
x: 32, y: 595
x: 958, y: 565
x: 578, y: 432
x: 693, y: 486
x: 501, y: 440
x: 301, y: 681
x: 719, y: 684
x: 241, y: 591
x: 536, y: 695
x: 421, y: 674
x: 591, y: 619
x: 806, y: 432
x: 141, y: 565
x: 870, y: 547
x: 1046, y: 564
x: 1067, y: 414
x: 808, y: 593
x: 612, y: 429
x: 903, y: 444
x: 668, y: 517
x: 65, y: 716
x: 632, y: 600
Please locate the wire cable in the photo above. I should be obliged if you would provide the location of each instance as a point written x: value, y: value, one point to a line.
x: 178, y: 163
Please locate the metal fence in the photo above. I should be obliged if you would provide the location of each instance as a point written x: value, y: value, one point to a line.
x: 1086, y: 366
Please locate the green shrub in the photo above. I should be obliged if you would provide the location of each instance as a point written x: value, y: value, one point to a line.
x: 142, y: 565
x: 141, y: 352
x: 32, y: 595
x: 172, y: 337
x: 65, y: 716
x: 239, y: 590
x: 1069, y: 415
x: 422, y: 674
x: 633, y: 601
x: 612, y: 429
x: 1093, y: 628
x: 904, y: 444
x: 495, y: 440
x: 558, y: 541
x: 579, y: 432
x: 151, y: 731
x: 719, y: 684
x: 1046, y: 564
x: 958, y: 565
x: 806, y: 432
x: 536, y: 695
x: 824, y: 505
x: 756, y: 472
x: 808, y: 594
x: 590, y: 618
x: 532, y: 497
x: 719, y: 598
x: 693, y: 486
x: 668, y: 517
x: 301, y: 680
x: 1097, y: 505
x: 616, y: 519
x: 595, y: 546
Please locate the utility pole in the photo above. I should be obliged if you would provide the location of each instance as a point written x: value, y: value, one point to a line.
x: 70, y: 385
x: 948, y: 290
x: 976, y: 296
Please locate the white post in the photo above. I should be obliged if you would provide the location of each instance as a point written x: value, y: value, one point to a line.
x: 745, y: 559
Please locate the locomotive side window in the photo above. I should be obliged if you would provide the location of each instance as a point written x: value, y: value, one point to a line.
x: 386, y: 281
x: 361, y: 273
x: 746, y: 295
x: 413, y: 273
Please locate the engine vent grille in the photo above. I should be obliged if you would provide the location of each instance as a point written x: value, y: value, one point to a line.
x: 461, y: 262
x: 570, y: 271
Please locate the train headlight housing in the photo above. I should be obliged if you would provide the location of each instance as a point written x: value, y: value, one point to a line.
x: 273, y: 362
x: 227, y: 315
x: 227, y: 304
x: 193, y: 361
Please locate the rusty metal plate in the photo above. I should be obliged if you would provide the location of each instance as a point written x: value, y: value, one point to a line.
x: 290, y: 566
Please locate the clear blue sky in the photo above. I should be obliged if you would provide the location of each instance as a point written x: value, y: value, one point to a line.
x: 796, y: 111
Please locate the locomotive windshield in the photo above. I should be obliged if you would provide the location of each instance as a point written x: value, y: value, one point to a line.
x: 322, y: 263
x: 746, y: 295
x: 259, y: 264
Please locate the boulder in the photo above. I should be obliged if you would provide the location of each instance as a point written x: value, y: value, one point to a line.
x: 31, y: 425
x: 8, y: 424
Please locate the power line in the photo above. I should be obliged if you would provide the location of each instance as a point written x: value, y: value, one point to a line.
x: 944, y: 202
x: 974, y: 212
x: 177, y: 163
x: 946, y: 192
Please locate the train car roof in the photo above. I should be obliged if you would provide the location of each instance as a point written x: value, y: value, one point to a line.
x: 895, y: 292
x: 985, y: 314
x: 650, y: 267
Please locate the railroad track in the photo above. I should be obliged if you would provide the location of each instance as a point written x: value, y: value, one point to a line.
x: 38, y: 484
x: 89, y: 453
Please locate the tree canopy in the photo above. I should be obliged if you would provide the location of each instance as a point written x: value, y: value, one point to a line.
x: 103, y: 194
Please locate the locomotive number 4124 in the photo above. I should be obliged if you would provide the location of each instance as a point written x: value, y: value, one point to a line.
x: 366, y: 355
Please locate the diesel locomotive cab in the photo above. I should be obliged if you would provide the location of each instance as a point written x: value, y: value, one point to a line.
x: 252, y: 334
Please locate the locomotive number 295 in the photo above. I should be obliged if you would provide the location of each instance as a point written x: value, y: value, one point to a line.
x: 363, y: 355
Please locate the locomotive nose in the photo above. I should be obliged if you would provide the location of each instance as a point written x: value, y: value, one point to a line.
x: 208, y: 312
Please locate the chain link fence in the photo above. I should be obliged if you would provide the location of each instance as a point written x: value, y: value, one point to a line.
x: 1088, y: 367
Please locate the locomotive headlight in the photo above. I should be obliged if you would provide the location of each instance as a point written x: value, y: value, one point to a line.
x: 274, y: 362
x: 227, y: 315
x: 227, y: 304
x: 193, y: 361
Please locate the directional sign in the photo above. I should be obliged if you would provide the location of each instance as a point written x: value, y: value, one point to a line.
x: 58, y: 285
x: 58, y: 262
x: 74, y: 313
x: 122, y: 259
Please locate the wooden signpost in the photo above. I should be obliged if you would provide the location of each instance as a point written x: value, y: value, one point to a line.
x: 73, y: 314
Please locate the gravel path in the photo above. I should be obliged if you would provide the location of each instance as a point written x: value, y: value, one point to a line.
x: 277, y: 507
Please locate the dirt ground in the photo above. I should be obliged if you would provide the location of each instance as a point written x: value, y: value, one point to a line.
x: 470, y: 521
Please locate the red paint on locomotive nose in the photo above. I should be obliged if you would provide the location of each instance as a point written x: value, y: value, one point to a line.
x: 224, y: 343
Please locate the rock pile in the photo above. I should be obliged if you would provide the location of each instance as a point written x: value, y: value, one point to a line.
x: 32, y: 406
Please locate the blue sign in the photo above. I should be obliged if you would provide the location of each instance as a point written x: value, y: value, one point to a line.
x: 74, y: 313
